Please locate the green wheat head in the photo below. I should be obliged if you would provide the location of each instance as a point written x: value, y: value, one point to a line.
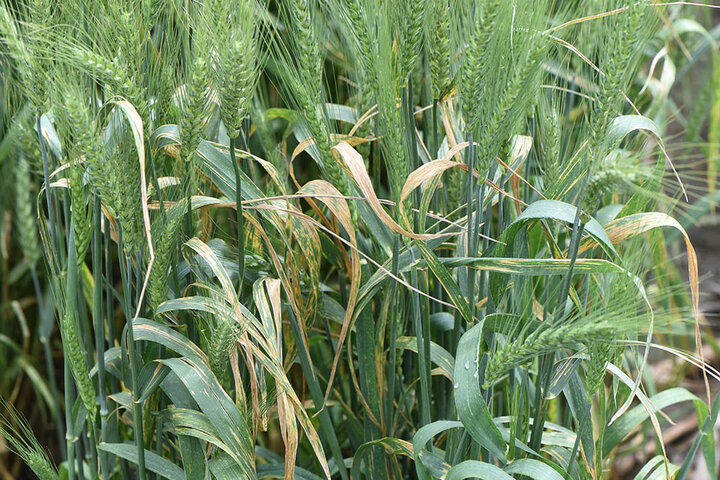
x: 411, y: 38
x: 236, y: 68
x: 166, y: 233
x: 439, y: 46
x: 542, y: 341
x: 20, y: 439
x: 25, y: 226
x: 477, y: 62
x: 306, y: 78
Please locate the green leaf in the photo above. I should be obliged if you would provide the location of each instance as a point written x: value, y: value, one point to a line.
x: 224, y: 415
x: 534, y: 469
x: 420, y: 440
x: 535, y: 267
x: 577, y: 401
x: 616, y: 432
x: 469, y: 401
x: 623, y: 125
x: 392, y: 446
x: 192, y: 449
x: 195, y: 424
x: 655, y: 469
x: 438, y: 355
x: 561, y: 212
x: 445, y: 278
x: 708, y: 427
x: 543, y: 210
x: 278, y: 471
x: 222, y: 466
x: 151, y: 376
x: 476, y: 469
x: 153, y: 462
x: 148, y: 330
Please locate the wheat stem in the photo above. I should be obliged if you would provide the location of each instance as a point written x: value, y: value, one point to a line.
x: 99, y: 327
x: 239, y: 216
x: 125, y: 271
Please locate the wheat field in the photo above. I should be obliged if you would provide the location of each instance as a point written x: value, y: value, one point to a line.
x: 356, y: 239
